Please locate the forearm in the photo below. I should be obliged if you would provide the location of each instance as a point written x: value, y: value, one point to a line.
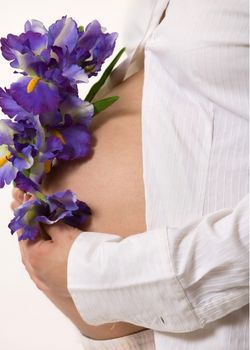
x: 155, y: 285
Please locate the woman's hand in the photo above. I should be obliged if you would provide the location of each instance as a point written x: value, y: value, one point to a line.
x: 46, y: 263
x: 46, y: 260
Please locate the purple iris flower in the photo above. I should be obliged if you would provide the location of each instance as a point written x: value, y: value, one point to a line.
x: 61, y: 206
x: 94, y: 47
x: 24, y: 147
x: 54, y: 61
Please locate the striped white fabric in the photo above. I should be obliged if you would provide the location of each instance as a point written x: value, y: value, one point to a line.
x: 186, y: 278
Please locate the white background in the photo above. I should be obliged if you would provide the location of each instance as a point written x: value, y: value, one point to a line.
x: 28, y: 321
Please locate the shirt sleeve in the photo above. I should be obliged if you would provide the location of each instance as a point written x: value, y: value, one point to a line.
x: 167, y: 279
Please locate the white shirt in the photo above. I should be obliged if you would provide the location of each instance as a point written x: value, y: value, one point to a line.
x: 186, y: 277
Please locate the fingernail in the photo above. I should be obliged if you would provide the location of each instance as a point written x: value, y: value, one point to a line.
x: 26, y: 197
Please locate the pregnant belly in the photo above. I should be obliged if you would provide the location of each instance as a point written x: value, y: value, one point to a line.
x: 110, y: 181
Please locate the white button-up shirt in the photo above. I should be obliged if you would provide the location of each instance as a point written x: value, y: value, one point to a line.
x: 186, y: 277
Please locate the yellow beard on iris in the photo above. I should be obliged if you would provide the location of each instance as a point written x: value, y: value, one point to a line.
x: 32, y: 84
x: 48, y: 163
x: 57, y: 134
x: 47, y: 166
x: 6, y: 156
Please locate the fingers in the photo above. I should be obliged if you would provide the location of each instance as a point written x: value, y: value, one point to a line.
x: 19, y: 198
x: 31, y: 256
x: 14, y: 205
x: 17, y: 195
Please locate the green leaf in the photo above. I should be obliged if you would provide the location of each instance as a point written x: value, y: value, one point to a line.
x: 97, y: 86
x: 100, y: 105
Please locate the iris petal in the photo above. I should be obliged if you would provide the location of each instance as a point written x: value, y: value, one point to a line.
x: 53, y: 146
x: 25, y: 184
x: 6, y: 132
x: 89, y: 37
x: 10, y: 106
x: 35, y: 26
x: 63, y: 33
x: 24, y: 219
x: 25, y: 61
x: 23, y: 160
x: 7, y: 170
x: 12, y: 43
x: 34, y: 42
x: 7, y: 51
x: 81, y: 111
x: 76, y: 73
x: 15, y: 47
x: 77, y: 142
x: 44, y: 98
x: 30, y: 232
x: 7, y: 174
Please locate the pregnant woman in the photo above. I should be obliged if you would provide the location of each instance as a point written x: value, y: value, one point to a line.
x: 163, y: 262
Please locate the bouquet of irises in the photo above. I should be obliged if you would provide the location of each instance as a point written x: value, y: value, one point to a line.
x: 47, y: 120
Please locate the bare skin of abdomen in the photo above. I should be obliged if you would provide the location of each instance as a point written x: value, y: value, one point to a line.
x: 110, y: 181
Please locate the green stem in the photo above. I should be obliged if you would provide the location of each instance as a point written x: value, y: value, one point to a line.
x: 97, y: 86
